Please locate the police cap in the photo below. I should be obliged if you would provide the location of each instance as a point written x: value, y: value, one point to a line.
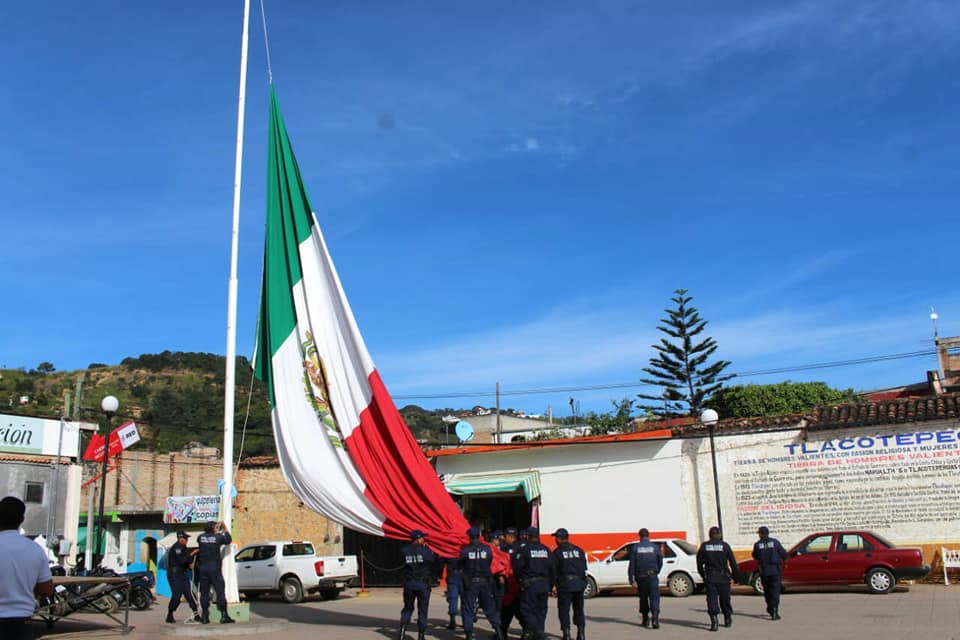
x: 763, y: 531
x: 473, y: 532
x: 714, y: 530
x: 533, y: 532
x: 561, y: 533
x: 510, y: 531
x: 182, y: 534
x: 209, y: 526
x: 416, y: 534
x: 497, y: 534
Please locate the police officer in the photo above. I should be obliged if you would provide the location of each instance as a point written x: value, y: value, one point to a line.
x: 770, y: 556
x: 454, y: 589
x: 179, y: 559
x: 534, y: 569
x: 643, y: 570
x: 418, y: 564
x: 717, y: 566
x: 570, y: 571
x: 509, y: 539
x: 214, y: 537
x: 499, y: 581
x: 511, y: 601
x: 476, y: 559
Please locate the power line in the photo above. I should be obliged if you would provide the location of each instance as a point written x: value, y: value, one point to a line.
x: 638, y: 384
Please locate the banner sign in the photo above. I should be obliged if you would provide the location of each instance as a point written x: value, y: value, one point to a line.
x: 41, y: 436
x: 896, y: 482
x: 123, y: 437
x: 186, y: 509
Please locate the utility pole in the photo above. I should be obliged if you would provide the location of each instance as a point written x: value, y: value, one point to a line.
x: 499, y: 427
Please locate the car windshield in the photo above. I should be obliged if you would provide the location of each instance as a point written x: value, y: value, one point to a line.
x: 688, y: 548
x: 883, y: 541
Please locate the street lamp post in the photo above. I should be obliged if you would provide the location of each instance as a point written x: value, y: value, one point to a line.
x: 709, y: 418
x: 109, y: 404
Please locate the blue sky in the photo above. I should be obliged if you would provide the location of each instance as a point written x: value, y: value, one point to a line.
x: 511, y: 191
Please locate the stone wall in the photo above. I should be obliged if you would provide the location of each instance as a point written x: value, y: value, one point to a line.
x: 267, y: 510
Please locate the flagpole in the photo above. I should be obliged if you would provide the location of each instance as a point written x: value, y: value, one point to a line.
x: 226, y: 513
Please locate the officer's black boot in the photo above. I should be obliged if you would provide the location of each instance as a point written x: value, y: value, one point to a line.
x: 403, y: 632
x: 646, y: 620
x: 205, y: 617
x: 728, y: 620
x: 453, y: 622
x: 775, y: 614
x: 225, y: 617
x: 468, y: 635
x: 655, y: 619
x: 499, y: 633
x: 581, y: 633
x: 421, y: 635
x: 714, y: 625
x: 170, y: 619
x: 566, y: 634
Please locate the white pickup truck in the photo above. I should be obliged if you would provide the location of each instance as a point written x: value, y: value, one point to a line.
x: 292, y: 569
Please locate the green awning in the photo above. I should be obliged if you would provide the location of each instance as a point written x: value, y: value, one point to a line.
x: 469, y: 484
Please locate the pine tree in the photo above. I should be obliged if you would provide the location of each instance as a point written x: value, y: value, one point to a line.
x: 680, y: 367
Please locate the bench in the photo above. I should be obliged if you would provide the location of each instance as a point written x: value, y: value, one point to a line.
x: 950, y: 559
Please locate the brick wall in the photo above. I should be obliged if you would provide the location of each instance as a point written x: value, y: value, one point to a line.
x: 266, y: 510
x: 143, y: 480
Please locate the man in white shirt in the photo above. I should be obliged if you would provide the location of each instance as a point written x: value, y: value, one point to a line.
x: 24, y: 573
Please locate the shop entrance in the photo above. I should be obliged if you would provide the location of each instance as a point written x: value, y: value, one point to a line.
x: 497, y: 511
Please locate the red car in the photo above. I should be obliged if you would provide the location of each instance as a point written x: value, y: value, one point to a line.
x: 844, y: 557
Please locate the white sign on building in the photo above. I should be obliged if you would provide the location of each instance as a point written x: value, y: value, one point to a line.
x: 38, y: 436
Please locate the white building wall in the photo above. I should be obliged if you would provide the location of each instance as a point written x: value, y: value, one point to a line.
x: 603, y: 488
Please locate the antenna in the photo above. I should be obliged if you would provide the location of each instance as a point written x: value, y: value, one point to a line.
x: 933, y: 318
x: 464, y: 431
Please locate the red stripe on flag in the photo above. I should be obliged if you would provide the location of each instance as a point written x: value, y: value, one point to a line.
x: 400, y: 481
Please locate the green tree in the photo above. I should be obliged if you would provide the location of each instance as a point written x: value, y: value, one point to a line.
x: 46, y: 367
x: 748, y: 401
x: 618, y: 421
x: 681, y: 365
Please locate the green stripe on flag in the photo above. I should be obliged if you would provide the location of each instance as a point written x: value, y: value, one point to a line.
x: 289, y: 222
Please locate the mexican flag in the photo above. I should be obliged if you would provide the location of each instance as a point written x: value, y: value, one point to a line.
x: 343, y: 446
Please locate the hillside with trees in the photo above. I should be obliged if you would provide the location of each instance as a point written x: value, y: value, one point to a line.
x: 176, y: 398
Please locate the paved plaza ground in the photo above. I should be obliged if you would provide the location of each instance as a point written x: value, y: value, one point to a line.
x: 931, y: 612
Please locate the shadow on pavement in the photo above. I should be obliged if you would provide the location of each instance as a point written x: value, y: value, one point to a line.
x: 386, y: 627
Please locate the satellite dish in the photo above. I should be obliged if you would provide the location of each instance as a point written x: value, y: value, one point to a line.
x: 464, y: 431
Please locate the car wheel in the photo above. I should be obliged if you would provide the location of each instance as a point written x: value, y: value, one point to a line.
x: 590, y: 590
x: 756, y: 584
x: 330, y: 593
x: 880, y: 580
x: 291, y: 590
x: 680, y: 584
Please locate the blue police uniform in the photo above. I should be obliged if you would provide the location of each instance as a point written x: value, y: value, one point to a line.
x: 454, y: 589
x: 770, y: 556
x: 179, y: 560
x: 509, y: 611
x: 476, y: 559
x: 533, y: 567
x: 570, y: 571
x: 499, y: 584
x: 208, y: 566
x: 717, y: 565
x: 643, y: 570
x: 418, y: 566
